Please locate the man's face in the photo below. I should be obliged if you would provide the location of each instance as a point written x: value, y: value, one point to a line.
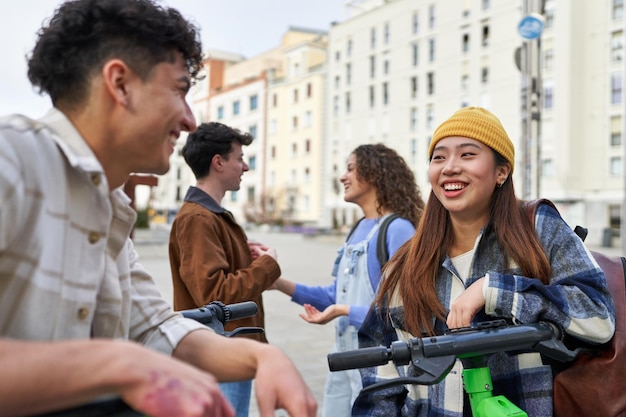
x: 234, y: 167
x: 160, y: 114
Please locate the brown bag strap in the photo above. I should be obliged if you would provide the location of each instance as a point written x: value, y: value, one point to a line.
x: 614, y: 268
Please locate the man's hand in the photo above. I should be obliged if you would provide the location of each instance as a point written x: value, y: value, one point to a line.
x: 280, y: 386
x: 167, y: 387
x: 258, y: 249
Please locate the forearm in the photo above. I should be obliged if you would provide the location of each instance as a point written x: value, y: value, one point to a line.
x: 42, y: 376
x: 285, y: 286
x: 228, y: 359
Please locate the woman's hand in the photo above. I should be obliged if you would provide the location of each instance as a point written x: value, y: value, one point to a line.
x: 465, y: 307
x: 313, y: 315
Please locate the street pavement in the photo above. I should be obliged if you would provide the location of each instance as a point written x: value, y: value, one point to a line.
x: 304, y: 259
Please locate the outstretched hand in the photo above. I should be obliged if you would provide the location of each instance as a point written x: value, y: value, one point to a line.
x: 313, y: 315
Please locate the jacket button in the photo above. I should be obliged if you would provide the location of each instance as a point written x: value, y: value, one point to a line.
x: 83, y: 313
x: 93, y: 237
x: 96, y: 179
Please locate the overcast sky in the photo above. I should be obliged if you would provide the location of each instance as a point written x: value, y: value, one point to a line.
x: 247, y: 27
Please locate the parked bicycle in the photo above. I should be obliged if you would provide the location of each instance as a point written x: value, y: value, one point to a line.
x: 433, y: 357
x: 214, y: 315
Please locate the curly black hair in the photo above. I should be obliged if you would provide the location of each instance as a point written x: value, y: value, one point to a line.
x: 83, y: 34
x: 388, y: 172
x: 208, y: 140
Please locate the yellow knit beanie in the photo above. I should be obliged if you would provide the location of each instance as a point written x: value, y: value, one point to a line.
x: 478, y: 124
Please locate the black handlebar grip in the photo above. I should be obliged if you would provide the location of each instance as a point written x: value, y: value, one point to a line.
x: 359, y: 358
x: 241, y: 310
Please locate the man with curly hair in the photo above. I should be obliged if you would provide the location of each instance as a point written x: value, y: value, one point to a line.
x: 380, y: 182
x: 80, y: 318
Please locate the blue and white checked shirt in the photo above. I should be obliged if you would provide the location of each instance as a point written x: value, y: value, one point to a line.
x: 577, y: 298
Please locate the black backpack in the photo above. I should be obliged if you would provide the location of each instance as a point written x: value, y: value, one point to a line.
x: 381, y: 244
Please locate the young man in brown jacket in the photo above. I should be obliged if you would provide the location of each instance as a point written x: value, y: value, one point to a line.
x: 210, y: 256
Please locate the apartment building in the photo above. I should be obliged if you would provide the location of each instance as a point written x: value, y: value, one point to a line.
x: 394, y: 69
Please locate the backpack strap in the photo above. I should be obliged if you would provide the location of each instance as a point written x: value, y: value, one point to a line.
x: 353, y: 228
x: 381, y: 246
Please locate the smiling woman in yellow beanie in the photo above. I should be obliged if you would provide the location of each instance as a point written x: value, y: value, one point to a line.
x: 476, y: 257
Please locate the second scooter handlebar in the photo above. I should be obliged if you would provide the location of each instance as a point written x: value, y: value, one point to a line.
x: 434, y: 356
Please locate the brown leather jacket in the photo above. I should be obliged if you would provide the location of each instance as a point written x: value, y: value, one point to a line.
x: 211, y: 261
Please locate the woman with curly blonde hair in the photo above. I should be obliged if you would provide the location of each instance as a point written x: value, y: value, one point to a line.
x: 379, y: 181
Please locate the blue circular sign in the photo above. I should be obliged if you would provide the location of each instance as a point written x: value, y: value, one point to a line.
x: 531, y: 26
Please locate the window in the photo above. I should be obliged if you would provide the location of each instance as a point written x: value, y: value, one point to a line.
x: 309, y: 90
x: 465, y: 43
x: 387, y: 33
x: 618, y: 9
x: 348, y: 102
x: 547, y: 168
x: 616, y: 130
x: 253, y: 131
x: 307, y: 175
x: 415, y: 23
x: 348, y: 74
x: 486, y: 4
x: 273, y: 152
x: 307, y: 145
x: 484, y: 75
x: 349, y: 48
x: 617, y: 46
x: 373, y: 38
x: 431, y: 83
x: 294, y: 149
x: 252, y: 163
x: 431, y: 49
x: 233, y: 196
x: 253, y: 102
x: 430, y: 117
x: 548, y: 97
x: 616, y: 88
x: 413, y: 119
x: 308, y: 118
x: 464, y: 83
x: 372, y: 66
x: 372, y: 96
x: 615, y: 166
x: 431, y: 16
x: 274, y: 100
x: 385, y: 93
x: 294, y: 122
x: 485, y: 40
x: 386, y: 67
x: 273, y: 126
x: 337, y: 82
x: 251, y: 193
x: 236, y: 108
x: 415, y: 51
x: 220, y: 112
x: 548, y: 16
x: 414, y: 87
x: 337, y: 56
x: 295, y: 95
x: 615, y: 216
x: 548, y: 59
x: 336, y: 105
